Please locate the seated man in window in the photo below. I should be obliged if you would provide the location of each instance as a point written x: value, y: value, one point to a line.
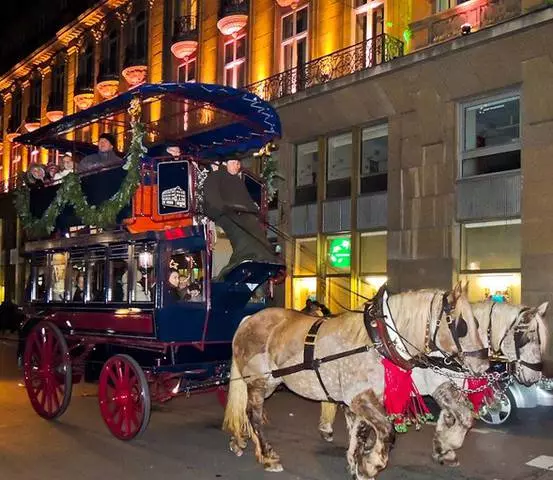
x: 228, y: 203
x: 106, y: 156
x: 78, y: 295
x: 173, y: 286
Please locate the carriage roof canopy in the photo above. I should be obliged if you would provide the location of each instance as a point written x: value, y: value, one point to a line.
x: 203, y: 119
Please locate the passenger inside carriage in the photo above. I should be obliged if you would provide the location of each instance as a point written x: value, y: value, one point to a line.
x: 185, y: 278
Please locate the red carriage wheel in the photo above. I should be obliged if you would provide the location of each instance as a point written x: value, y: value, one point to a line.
x: 47, y: 370
x: 124, y: 397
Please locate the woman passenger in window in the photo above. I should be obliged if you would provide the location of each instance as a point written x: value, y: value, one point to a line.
x: 173, y: 286
x: 78, y: 296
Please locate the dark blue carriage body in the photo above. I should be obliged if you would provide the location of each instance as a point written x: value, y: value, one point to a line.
x: 162, y: 333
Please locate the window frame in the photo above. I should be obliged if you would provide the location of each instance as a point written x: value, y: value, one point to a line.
x: 236, y: 62
x: 374, y: 128
x: 341, y: 183
x: 476, y: 153
x: 311, y: 186
x: 294, y: 38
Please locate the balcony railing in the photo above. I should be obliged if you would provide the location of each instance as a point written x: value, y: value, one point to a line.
x: 33, y: 113
x: 233, y: 7
x: 446, y: 25
x: 185, y: 28
x: 135, y: 55
x: 109, y: 70
x: 364, y: 55
x: 55, y: 101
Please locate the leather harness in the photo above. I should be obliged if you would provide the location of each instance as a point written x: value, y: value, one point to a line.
x: 377, y: 328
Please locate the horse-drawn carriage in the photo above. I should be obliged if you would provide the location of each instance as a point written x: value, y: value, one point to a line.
x: 120, y: 272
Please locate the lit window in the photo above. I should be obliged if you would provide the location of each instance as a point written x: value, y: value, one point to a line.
x: 369, y: 28
x: 372, y: 263
x: 338, y: 176
x: 307, y: 165
x: 305, y: 259
x: 374, y: 159
x: 303, y: 288
x: 187, y: 74
x: 294, y: 46
x: 491, y: 136
x: 235, y: 62
x: 490, y: 259
x: 442, y: 5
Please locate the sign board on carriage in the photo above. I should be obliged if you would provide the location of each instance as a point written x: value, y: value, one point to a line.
x: 173, y: 187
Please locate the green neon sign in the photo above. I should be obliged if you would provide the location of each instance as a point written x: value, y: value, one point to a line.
x: 339, y: 252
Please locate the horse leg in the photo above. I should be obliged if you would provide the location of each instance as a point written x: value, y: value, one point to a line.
x: 371, y: 436
x: 454, y: 422
x: 264, y: 452
x: 328, y: 415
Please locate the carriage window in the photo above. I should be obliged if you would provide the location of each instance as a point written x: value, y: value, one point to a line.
x: 77, y: 277
x: 59, y: 267
x: 39, y: 293
x: 96, y: 291
x: 185, y: 277
x: 145, y: 279
x: 119, y: 274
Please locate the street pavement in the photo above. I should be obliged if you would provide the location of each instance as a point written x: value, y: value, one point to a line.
x: 184, y: 441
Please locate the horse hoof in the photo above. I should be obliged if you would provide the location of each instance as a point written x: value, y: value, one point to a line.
x: 327, y: 437
x: 234, y: 448
x: 446, y: 460
x: 273, y: 467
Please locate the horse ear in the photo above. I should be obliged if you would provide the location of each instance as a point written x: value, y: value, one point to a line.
x: 542, y: 309
x: 457, y: 291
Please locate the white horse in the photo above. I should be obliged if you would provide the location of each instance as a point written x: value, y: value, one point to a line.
x: 516, y: 333
x: 274, y: 340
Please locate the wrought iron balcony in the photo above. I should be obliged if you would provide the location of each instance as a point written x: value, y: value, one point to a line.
x: 233, y: 7
x: 55, y: 102
x: 135, y: 55
x: 358, y: 57
x: 185, y: 28
x: 84, y: 84
x: 463, y: 19
x: 109, y: 71
x: 33, y: 114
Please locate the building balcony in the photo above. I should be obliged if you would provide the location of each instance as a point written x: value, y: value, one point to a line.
x: 84, y: 92
x: 364, y: 55
x: 135, y: 68
x: 55, y: 110
x: 185, y: 36
x: 108, y: 80
x: 466, y: 18
x: 32, y: 120
x: 12, y: 131
x: 233, y: 16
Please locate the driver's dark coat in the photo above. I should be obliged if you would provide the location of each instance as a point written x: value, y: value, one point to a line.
x: 224, y: 192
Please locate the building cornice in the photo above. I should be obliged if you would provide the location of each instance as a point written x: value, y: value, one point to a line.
x: 64, y: 38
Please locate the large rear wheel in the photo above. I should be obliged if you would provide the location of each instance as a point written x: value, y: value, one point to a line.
x: 124, y: 397
x: 47, y: 370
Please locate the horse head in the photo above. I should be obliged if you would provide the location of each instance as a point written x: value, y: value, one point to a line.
x: 524, y: 343
x: 463, y: 328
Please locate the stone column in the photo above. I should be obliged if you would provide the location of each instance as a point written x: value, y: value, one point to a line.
x: 537, y: 169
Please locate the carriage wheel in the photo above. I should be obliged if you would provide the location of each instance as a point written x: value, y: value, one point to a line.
x: 47, y: 370
x: 124, y: 397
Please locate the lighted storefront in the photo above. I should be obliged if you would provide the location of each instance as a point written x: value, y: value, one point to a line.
x: 490, y: 260
x: 304, y: 283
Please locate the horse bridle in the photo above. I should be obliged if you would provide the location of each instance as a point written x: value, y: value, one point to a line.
x: 456, y: 328
x: 517, y: 337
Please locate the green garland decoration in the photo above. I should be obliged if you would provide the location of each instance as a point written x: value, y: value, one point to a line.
x: 271, y: 174
x: 71, y: 193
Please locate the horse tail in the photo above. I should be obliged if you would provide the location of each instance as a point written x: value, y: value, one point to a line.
x: 236, y: 420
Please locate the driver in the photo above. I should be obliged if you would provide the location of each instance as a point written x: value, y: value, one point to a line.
x: 228, y: 203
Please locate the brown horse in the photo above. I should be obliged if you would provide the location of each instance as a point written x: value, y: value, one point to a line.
x: 516, y: 332
x: 274, y: 339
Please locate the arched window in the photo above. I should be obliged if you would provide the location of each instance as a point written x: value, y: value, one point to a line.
x: 15, y: 119
x: 33, y: 114
x: 86, y: 64
x: 58, y: 84
x: 110, y: 52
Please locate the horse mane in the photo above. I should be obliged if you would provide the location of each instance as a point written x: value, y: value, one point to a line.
x: 411, y: 312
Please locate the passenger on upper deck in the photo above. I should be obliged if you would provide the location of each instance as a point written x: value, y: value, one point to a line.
x: 228, y: 203
x: 174, y: 150
x: 106, y: 156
